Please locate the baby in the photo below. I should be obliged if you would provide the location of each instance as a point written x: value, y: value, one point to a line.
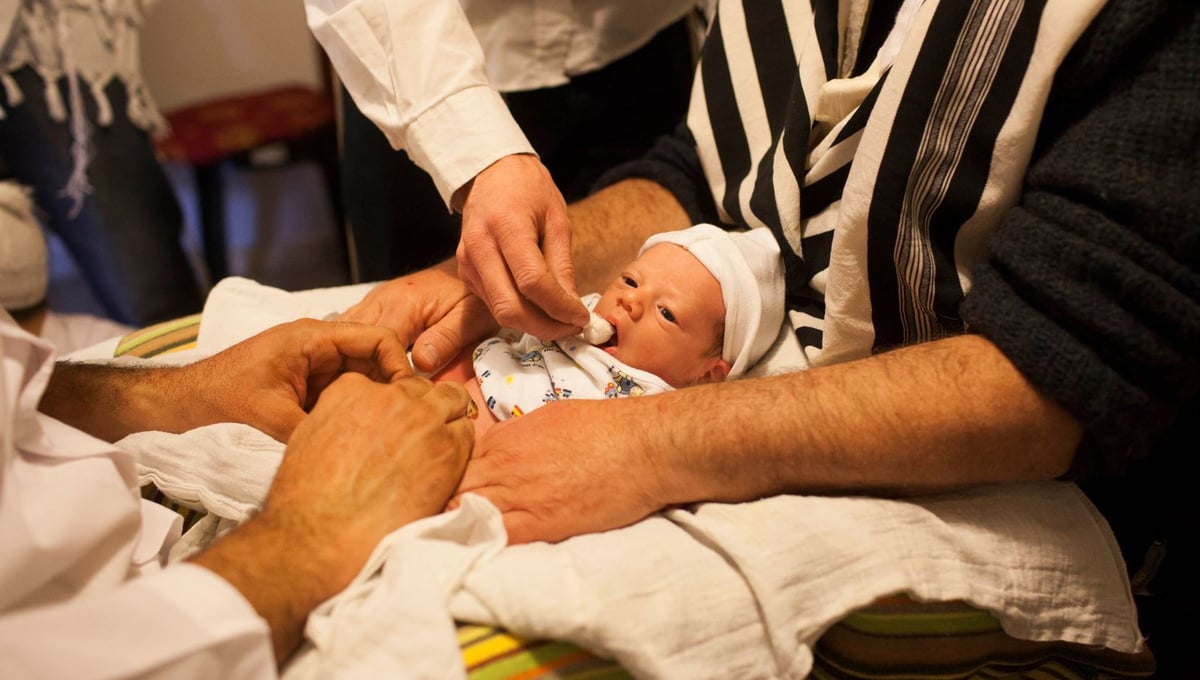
x: 697, y: 305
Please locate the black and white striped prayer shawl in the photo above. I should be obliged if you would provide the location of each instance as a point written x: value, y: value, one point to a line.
x: 880, y: 188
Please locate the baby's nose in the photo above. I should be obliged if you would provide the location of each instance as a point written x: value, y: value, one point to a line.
x: 632, y: 302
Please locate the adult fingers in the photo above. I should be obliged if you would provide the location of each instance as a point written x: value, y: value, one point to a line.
x: 536, y: 283
x: 464, y: 323
x: 556, y: 244
x: 520, y: 524
x: 481, y: 265
x: 371, y: 350
x: 449, y: 401
x: 368, y: 310
x: 508, y: 308
x: 414, y: 387
x: 467, y: 271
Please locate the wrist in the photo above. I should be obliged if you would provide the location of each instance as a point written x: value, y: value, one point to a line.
x: 111, y: 402
x: 458, y: 199
x: 279, y: 571
x: 659, y: 449
x: 168, y: 399
x: 696, y: 452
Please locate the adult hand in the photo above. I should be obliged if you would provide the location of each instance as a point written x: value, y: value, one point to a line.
x: 515, y: 250
x: 431, y: 311
x: 568, y: 468
x: 271, y: 380
x: 370, y: 458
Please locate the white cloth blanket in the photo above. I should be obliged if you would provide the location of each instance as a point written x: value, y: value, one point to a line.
x: 709, y: 591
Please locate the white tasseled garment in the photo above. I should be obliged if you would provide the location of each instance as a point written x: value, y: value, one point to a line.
x: 91, y: 42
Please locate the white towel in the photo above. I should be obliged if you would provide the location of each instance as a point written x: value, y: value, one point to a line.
x: 238, y: 308
x: 711, y: 591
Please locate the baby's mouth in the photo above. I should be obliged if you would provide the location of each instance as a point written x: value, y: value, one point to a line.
x: 611, y: 344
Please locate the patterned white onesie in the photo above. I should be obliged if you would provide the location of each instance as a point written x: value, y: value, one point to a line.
x: 517, y: 375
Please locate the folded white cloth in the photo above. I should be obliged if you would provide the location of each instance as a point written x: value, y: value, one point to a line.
x: 710, y: 591
x: 238, y: 308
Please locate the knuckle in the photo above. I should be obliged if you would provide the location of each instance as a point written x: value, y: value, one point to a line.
x: 529, y: 277
x: 506, y: 310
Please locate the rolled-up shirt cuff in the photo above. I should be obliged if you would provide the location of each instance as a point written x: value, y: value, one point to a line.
x: 463, y: 134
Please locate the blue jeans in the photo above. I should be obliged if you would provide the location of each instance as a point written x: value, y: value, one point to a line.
x: 126, y: 238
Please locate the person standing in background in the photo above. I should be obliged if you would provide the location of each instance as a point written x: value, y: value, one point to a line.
x: 416, y: 70
x: 76, y: 125
x: 592, y: 85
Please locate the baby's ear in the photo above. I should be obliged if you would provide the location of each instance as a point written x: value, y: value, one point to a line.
x: 716, y: 373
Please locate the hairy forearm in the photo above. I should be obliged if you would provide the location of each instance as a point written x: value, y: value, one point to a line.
x: 925, y: 418
x: 608, y: 227
x: 111, y: 402
x: 282, y: 580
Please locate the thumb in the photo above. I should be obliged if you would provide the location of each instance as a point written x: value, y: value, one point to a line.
x: 441, y: 342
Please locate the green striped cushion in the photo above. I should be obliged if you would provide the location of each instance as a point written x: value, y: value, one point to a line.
x: 168, y: 336
x: 896, y: 637
x: 492, y: 654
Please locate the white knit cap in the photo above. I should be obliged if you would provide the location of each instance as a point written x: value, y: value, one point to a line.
x: 748, y: 266
x: 24, y: 270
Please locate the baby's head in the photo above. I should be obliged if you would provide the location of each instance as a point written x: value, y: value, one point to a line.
x: 697, y: 305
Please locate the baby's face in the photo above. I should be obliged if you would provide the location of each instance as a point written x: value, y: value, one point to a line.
x: 667, y: 310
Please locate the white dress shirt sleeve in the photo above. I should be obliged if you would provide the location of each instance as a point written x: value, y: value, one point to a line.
x: 184, y: 622
x: 74, y: 535
x: 416, y: 70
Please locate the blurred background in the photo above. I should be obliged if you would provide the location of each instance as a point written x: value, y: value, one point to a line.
x: 279, y: 220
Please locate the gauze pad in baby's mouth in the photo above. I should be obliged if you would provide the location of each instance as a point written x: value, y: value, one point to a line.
x: 597, y: 330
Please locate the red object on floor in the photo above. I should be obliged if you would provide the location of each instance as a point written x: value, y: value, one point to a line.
x: 299, y: 121
x: 209, y: 131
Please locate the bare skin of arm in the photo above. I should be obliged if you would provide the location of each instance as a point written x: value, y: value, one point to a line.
x: 380, y: 448
x: 370, y: 459
x: 859, y: 426
x: 268, y: 382
x: 610, y: 226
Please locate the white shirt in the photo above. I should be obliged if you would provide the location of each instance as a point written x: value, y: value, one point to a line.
x: 416, y: 69
x: 532, y: 44
x: 82, y: 591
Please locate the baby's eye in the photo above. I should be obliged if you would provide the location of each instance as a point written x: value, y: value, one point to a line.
x: 666, y: 314
x: 629, y: 282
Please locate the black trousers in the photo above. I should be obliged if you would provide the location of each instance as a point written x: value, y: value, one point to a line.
x: 600, y: 119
